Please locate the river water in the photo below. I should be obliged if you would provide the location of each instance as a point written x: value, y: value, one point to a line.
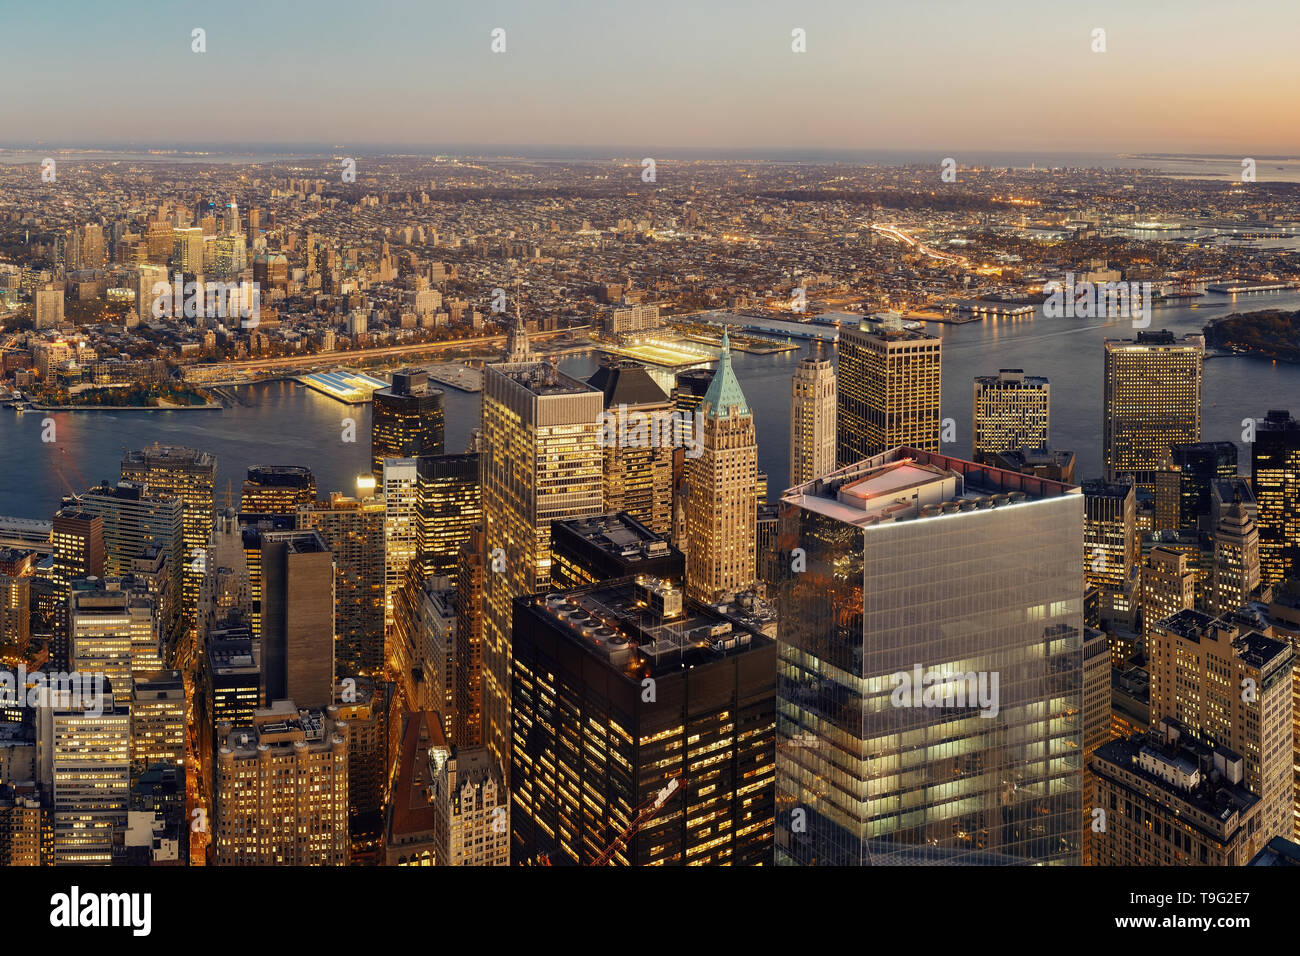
x: 285, y: 423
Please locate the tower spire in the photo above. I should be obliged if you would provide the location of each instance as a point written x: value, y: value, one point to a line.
x: 517, y: 346
x: 724, y: 391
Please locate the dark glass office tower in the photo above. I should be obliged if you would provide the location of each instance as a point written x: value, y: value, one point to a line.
x: 690, y: 387
x: 450, y: 504
x: 930, y: 686
x: 406, y: 419
x: 1200, y: 464
x: 1275, y: 472
x: 620, y: 688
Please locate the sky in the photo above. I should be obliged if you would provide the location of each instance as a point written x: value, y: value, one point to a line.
x: 1202, y: 76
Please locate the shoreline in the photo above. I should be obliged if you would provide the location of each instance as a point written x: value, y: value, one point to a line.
x: 123, y: 408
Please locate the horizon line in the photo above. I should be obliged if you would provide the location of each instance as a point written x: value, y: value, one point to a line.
x: 611, y: 150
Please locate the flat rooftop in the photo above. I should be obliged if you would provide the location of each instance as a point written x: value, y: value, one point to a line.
x: 297, y: 542
x: 617, y: 534
x: 542, y: 378
x: 907, y: 483
x: 1251, y: 647
x: 615, y: 624
x: 157, y: 454
x: 227, y: 657
x: 1037, y: 457
x: 280, y: 727
x: 1216, y: 798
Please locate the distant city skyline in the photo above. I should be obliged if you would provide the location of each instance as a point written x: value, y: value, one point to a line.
x: 578, y: 74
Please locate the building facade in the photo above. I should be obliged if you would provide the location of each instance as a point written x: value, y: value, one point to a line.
x: 721, y: 502
x: 889, y: 391
x: 543, y: 462
x: 1010, y: 410
x: 930, y: 683
x: 1152, y: 401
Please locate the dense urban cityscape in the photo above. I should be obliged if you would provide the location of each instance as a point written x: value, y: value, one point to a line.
x: 572, y: 507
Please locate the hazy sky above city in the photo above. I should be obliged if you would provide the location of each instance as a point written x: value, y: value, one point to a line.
x: 947, y: 75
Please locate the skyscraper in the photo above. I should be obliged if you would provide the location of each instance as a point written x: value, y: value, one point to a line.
x: 261, y: 821
x: 230, y: 684
x: 1011, y: 410
x: 517, y: 345
x: 812, y: 418
x: 592, y: 550
x: 689, y: 388
x: 721, y: 507
x: 1275, y: 474
x: 85, y: 762
x: 1167, y: 506
x: 406, y: 419
x: 361, y: 715
x: 471, y: 806
x: 687, y: 395
x: 190, y: 475
x: 543, y: 463
x: 227, y: 585
x: 297, y: 618
x: 146, y: 277
x: 353, y: 528
x: 15, y: 600
x: 1236, y: 561
x: 888, y: 390
x: 401, y: 485
x: 1232, y: 688
x: 1152, y: 401
x: 931, y: 666
x: 187, y: 250
x: 1199, y: 465
x: 424, y: 637
x: 47, y: 308
x: 1168, y: 586
x: 114, y: 632
x: 639, y: 440
x: 135, y: 519
x: 277, y: 489
x: 622, y: 687
x: 450, y: 503
x: 158, y: 720
x: 1111, y: 548
x: 1171, y: 800
x: 78, y: 540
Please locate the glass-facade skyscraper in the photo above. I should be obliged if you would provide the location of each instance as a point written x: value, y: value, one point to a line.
x: 930, y: 700
x: 190, y: 475
x: 407, y: 419
x: 1275, y: 472
x: 543, y: 462
x: 449, y: 505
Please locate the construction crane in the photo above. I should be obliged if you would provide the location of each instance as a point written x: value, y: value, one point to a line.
x: 645, y: 813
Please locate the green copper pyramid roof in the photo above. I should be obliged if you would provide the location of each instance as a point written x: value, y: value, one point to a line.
x: 724, y: 391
